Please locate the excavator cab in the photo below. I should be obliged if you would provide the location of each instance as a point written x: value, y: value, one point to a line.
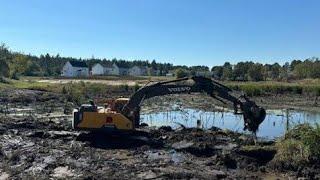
x: 107, y: 119
x: 97, y: 118
x: 118, y: 104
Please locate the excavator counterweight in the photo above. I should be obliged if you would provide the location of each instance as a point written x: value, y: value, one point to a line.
x: 124, y: 113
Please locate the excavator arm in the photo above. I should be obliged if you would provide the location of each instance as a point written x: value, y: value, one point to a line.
x: 253, y: 115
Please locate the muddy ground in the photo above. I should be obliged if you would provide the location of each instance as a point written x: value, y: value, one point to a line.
x: 38, y: 143
x: 42, y: 149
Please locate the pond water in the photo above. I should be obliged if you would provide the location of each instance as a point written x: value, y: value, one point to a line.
x: 274, y: 125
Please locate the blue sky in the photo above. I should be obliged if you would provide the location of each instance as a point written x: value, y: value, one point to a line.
x: 189, y: 32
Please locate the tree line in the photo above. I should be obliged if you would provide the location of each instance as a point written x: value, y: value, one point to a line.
x: 250, y: 71
x: 14, y: 64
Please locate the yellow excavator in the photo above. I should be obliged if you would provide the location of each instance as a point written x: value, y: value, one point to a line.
x: 123, y: 114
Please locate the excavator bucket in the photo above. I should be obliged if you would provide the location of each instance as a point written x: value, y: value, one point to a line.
x: 253, y: 116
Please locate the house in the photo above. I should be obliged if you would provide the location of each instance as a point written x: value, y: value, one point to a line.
x: 75, y: 69
x: 98, y: 69
x: 105, y: 69
x: 112, y: 69
x: 138, y: 71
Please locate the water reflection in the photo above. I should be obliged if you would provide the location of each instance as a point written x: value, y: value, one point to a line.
x: 275, y: 124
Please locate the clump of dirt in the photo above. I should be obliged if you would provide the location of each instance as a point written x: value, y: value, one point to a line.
x: 262, y: 154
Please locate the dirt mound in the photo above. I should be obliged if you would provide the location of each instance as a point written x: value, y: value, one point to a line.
x: 27, y: 96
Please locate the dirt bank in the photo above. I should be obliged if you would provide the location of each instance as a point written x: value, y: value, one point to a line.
x: 289, y: 101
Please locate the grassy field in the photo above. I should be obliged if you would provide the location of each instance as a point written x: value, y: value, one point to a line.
x: 111, y: 78
x: 57, y: 84
x: 306, y: 87
x: 301, y: 87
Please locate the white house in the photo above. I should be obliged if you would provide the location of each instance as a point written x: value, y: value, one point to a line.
x: 112, y: 69
x: 138, y: 71
x: 106, y: 69
x: 75, y: 69
x: 98, y: 69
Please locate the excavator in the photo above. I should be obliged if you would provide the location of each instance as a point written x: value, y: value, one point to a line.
x: 123, y: 114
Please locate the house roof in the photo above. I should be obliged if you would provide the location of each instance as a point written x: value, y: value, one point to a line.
x: 78, y: 64
x: 97, y: 64
x: 105, y: 64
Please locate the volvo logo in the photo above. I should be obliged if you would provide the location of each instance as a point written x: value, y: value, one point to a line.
x: 179, y: 89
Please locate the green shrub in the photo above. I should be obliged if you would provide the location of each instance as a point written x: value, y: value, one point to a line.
x: 297, y: 90
x: 300, y: 145
x: 251, y: 90
x: 312, y: 90
x: 95, y: 89
x: 74, y: 93
x: 292, y: 151
x: 136, y: 87
x: 180, y: 73
x: 3, y: 80
x: 82, y: 83
x: 124, y: 87
x: 256, y: 89
x: 14, y: 75
x: 64, y: 90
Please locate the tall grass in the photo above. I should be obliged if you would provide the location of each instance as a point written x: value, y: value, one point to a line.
x: 81, y: 92
x: 300, y: 145
x: 257, y: 89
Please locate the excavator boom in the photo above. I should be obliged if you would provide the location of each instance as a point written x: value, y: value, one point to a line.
x: 253, y: 114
